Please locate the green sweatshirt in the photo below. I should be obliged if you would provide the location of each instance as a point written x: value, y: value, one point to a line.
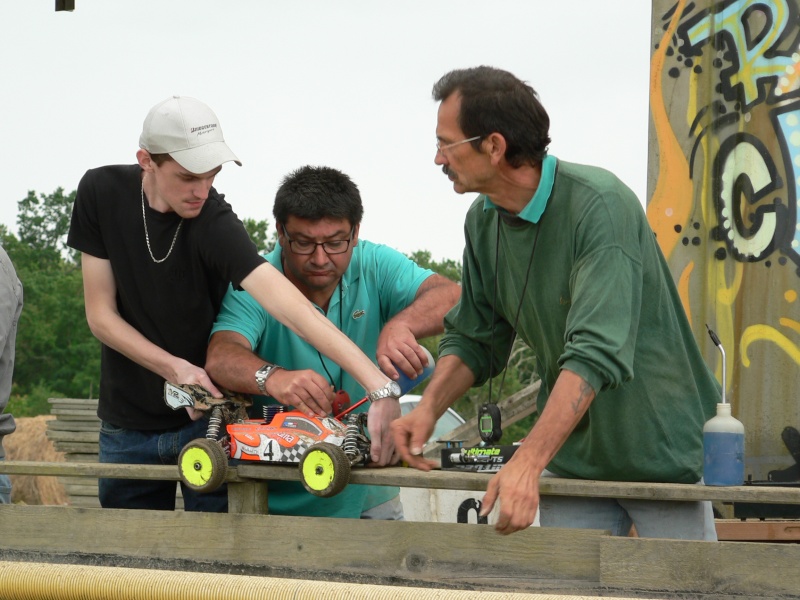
x: 600, y: 301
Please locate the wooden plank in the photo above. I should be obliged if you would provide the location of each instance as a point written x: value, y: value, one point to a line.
x: 59, y: 425
x: 84, y: 402
x: 84, y: 502
x: 81, y: 490
x: 453, y: 480
x: 758, y: 531
x: 74, y: 436
x: 113, y: 471
x: 70, y: 419
x: 249, y: 497
x: 77, y: 447
x: 78, y: 481
x: 443, y: 553
x: 82, y: 458
x: 668, y: 491
x: 68, y: 414
x: 747, y: 570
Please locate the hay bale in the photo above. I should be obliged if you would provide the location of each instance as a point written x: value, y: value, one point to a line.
x: 30, y: 442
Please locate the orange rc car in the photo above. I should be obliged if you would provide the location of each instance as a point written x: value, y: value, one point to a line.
x: 323, y: 448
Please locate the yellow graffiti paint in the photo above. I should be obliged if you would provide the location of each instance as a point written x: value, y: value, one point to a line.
x: 756, y: 333
x: 683, y: 289
x: 790, y: 323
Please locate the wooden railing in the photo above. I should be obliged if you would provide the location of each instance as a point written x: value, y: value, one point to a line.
x: 411, y: 553
x: 260, y: 474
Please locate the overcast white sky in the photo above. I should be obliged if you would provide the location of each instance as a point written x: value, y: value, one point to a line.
x: 340, y: 83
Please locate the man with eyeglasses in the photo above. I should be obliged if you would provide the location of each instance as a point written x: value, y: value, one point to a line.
x: 379, y: 298
x: 562, y: 256
x: 159, y: 247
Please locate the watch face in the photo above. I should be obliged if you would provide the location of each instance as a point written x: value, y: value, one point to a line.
x: 394, y: 388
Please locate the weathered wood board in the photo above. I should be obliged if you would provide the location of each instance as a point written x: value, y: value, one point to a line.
x: 452, y: 555
x: 749, y: 570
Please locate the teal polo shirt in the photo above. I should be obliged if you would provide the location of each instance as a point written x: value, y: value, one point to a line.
x: 378, y: 283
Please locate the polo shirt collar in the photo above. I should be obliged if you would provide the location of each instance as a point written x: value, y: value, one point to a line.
x: 535, y: 207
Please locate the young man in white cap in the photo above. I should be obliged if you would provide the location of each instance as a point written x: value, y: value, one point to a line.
x: 159, y: 246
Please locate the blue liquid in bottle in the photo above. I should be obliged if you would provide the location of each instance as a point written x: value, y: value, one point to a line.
x: 723, y: 449
x: 406, y: 384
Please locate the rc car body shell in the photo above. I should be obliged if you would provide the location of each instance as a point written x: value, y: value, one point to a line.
x: 284, y: 439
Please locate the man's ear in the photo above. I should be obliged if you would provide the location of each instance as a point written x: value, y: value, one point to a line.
x: 495, y: 145
x: 281, y: 233
x: 145, y: 160
x: 356, y: 229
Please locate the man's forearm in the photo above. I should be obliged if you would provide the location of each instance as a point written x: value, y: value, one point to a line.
x: 116, y: 333
x: 424, y: 317
x: 566, y: 405
x: 233, y: 366
x: 451, y: 380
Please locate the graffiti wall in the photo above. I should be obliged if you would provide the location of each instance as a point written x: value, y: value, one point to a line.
x: 723, y: 188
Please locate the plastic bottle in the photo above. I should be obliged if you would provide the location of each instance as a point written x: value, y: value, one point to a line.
x: 406, y: 384
x: 723, y: 448
x: 723, y: 439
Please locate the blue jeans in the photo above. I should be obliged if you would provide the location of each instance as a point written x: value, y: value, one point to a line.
x: 391, y: 510
x: 129, y: 446
x: 652, y: 518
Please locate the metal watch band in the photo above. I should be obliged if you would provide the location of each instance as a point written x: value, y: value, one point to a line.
x: 263, y: 374
x: 390, y: 390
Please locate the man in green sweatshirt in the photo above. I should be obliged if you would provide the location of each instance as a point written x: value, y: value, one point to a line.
x: 562, y: 256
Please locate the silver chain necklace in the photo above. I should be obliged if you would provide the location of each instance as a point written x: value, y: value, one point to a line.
x: 147, y: 236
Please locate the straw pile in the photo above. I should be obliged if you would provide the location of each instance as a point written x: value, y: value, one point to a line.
x: 30, y: 442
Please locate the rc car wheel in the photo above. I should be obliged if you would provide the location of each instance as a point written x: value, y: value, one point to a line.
x: 203, y: 465
x: 324, y: 470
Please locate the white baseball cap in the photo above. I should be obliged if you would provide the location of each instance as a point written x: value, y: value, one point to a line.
x: 189, y: 132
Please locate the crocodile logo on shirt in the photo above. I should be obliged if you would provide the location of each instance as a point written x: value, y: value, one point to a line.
x: 357, y: 314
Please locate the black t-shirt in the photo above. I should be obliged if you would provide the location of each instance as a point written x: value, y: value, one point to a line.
x: 173, y: 303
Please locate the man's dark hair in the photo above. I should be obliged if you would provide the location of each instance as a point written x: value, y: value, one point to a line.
x: 315, y: 193
x: 493, y: 100
x: 160, y: 159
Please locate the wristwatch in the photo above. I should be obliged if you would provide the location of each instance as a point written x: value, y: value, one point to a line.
x: 390, y: 390
x: 262, y: 374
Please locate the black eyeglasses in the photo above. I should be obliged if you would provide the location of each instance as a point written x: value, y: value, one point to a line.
x: 330, y: 247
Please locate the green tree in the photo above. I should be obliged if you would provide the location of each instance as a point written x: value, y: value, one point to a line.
x: 56, y: 354
x: 447, y: 268
x: 258, y: 232
x: 43, y: 222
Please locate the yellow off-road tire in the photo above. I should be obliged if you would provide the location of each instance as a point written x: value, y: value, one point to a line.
x: 203, y: 465
x: 324, y: 470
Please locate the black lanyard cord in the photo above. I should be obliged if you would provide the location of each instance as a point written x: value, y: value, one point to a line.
x: 341, y: 328
x: 519, y: 307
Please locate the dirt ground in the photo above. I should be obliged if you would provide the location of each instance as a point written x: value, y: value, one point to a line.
x: 29, y: 442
